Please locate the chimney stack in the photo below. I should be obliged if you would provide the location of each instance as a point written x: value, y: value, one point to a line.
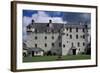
x: 32, y: 21
x: 50, y: 21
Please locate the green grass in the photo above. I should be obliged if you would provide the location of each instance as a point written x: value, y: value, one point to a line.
x: 55, y: 58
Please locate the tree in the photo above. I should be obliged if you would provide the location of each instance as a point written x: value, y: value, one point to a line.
x: 88, y: 49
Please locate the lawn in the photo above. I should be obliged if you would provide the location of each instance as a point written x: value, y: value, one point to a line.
x: 55, y: 58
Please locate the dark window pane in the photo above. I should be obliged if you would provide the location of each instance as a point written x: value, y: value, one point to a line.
x: 60, y: 44
x: 76, y: 29
x: 76, y: 36
x: 78, y: 44
x: 67, y: 29
x: 70, y: 36
x: 63, y: 45
x: 52, y: 44
x: 66, y: 34
x: 45, y: 37
x: 70, y: 29
x: 72, y: 43
x: 52, y: 37
x: 83, y: 44
x: 36, y: 37
x: 83, y: 36
x: 83, y: 30
x: 59, y: 37
x: 45, y: 44
x: 35, y: 45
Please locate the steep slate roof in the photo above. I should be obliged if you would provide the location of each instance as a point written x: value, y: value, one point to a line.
x: 43, y: 27
x: 35, y: 49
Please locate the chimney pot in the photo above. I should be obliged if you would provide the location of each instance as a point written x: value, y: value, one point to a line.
x: 50, y: 21
x: 32, y: 21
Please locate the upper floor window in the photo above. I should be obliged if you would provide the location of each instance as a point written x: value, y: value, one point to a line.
x: 35, y: 45
x: 67, y: 34
x: 78, y: 44
x: 52, y: 44
x: 83, y: 30
x: 35, y: 37
x: 45, y: 37
x: 83, y: 44
x: 77, y: 36
x: 52, y: 37
x: 67, y: 29
x: 70, y: 36
x: 45, y: 44
x: 83, y: 36
x: 76, y: 29
x: 72, y: 43
x: 70, y: 29
x: 60, y: 44
x: 59, y: 37
x: 63, y: 45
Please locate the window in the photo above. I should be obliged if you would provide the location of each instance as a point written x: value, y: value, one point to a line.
x: 67, y: 29
x: 35, y: 37
x: 78, y: 44
x: 83, y: 36
x: 72, y: 43
x: 66, y: 34
x: 35, y: 45
x: 83, y: 30
x: 63, y: 45
x: 59, y: 44
x: 79, y: 49
x: 52, y: 37
x: 70, y: 29
x: 77, y: 36
x: 59, y: 37
x: 83, y: 44
x: 70, y: 36
x: 45, y: 37
x: 52, y: 44
x: 76, y: 29
x: 45, y: 44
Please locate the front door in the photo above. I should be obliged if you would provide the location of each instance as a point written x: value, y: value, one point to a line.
x: 74, y: 51
x: 32, y: 53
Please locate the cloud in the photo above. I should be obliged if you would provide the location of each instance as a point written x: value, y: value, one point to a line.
x: 40, y: 17
x: 43, y: 17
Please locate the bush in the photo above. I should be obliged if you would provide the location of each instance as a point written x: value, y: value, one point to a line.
x: 49, y: 53
x: 24, y: 55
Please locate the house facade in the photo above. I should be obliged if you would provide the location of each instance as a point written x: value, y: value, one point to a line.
x: 58, y: 38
